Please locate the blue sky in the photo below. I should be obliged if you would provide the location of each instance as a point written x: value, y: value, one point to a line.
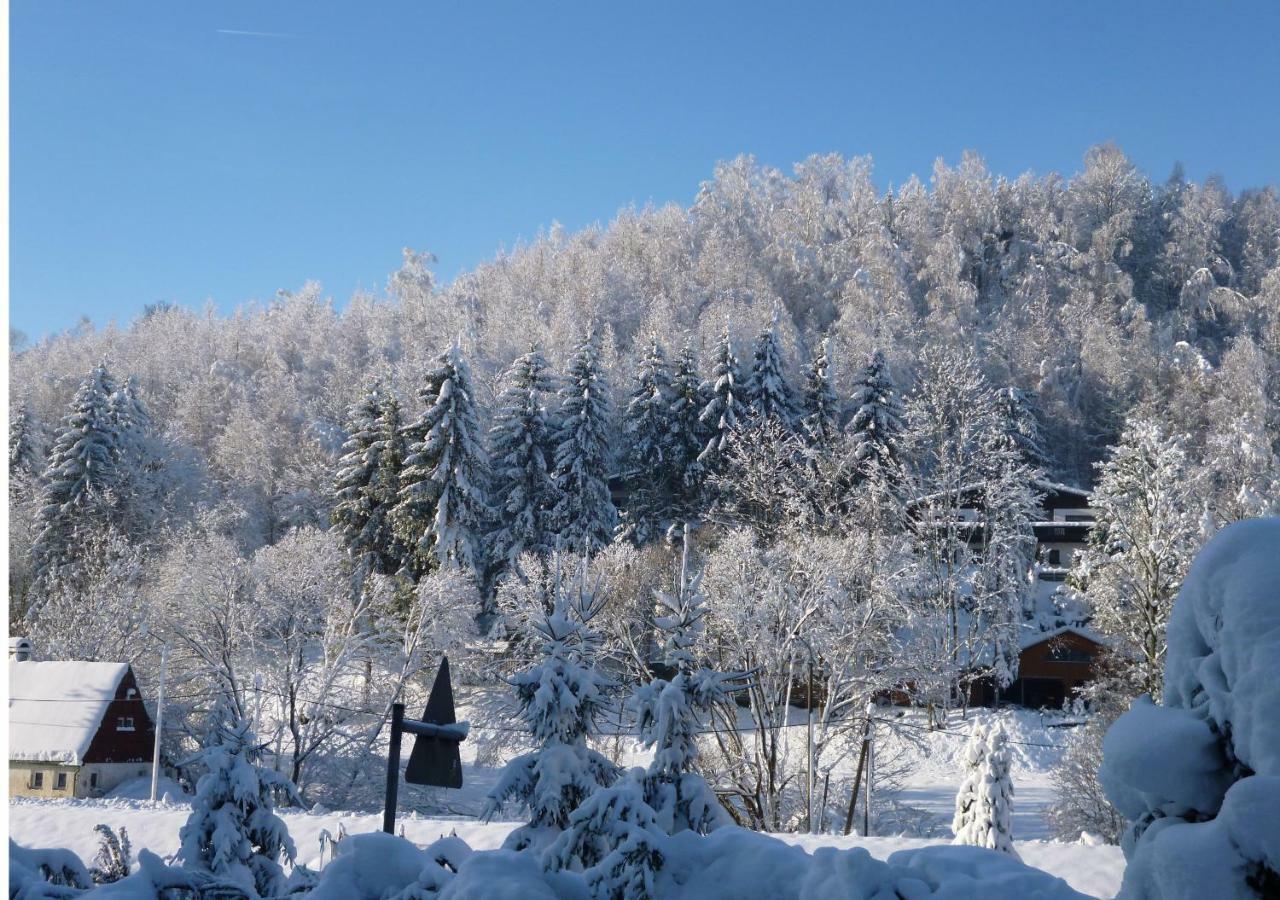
x: 161, y: 153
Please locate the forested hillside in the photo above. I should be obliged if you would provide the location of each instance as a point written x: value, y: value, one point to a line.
x: 793, y: 359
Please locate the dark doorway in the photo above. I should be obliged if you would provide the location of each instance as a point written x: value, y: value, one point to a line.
x: 1043, y: 693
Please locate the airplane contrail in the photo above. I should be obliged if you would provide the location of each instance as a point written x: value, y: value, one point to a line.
x: 265, y: 34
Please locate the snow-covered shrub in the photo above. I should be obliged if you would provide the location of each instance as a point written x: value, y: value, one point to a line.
x: 614, y: 836
x: 112, y: 861
x: 1079, y: 802
x: 45, y: 874
x: 560, y: 698
x: 1198, y: 777
x: 984, y: 803
x: 233, y: 832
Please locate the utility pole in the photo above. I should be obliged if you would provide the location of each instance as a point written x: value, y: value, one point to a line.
x: 155, y: 758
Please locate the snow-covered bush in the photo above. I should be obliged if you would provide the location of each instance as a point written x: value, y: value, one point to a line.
x: 984, y: 803
x: 112, y: 861
x: 1198, y: 777
x: 45, y: 874
x: 233, y: 832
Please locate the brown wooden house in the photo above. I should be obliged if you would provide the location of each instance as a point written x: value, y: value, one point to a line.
x: 76, y: 729
x: 1052, y: 665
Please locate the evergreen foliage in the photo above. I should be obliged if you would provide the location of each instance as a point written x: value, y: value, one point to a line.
x: 233, y: 832
x: 984, y: 803
x: 877, y: 423
x: 767, y: 392
x: 524, y: 490
x: 443, y: 510
x: 653, y: 471
x: 584, y: 516
x: 560, y: 698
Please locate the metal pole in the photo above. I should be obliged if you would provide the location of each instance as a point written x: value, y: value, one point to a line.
x: 857, y: 785
x: 155, y: 757
x: 809, y: 777
x: 393, y: 769
x: 871, y: 756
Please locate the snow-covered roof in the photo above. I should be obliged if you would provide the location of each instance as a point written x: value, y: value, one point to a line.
x: 55, y: 708
x: 1030, y: 638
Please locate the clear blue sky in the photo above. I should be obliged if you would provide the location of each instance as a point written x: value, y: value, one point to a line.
x: 161, y: 153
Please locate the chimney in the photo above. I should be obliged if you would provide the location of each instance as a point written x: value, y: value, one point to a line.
x: 20, y: 649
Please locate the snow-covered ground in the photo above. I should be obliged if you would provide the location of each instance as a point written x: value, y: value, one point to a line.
x: 69, y: 823
x: 933, y: 759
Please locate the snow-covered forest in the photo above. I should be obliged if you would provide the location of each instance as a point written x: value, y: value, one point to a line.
x: 736, y: 435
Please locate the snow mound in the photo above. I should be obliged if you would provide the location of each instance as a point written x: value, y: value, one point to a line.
x: 140, y: 789
x: 1199, y: 776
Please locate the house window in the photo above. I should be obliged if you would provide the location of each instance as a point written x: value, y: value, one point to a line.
x: 1055, y: 557
x: 93, y: 779
x: 124, y: 723
x: 60, y: 781
x: 37, y: 780
x: 1066, y: 653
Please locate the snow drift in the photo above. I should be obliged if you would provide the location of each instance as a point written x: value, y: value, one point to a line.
x: 1199, y: 776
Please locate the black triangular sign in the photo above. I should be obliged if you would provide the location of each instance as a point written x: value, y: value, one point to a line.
x: 435, y: 762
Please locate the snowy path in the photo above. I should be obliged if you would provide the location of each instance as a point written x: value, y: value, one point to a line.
x: 69, y: 823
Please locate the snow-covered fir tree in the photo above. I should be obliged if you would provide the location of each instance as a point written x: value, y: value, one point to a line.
x: 984, y: 803
x: 584, y: 515
x: 361, y: 492
x: 819, y: 405
x: 614, y: 837
x: 767, y: 392
x: 111, y: 863
x: 724, y: 407
x: 1146, y: 533
x: 671, y: 711
x: 81, y: 475
x: 524, y: 491
x: 444, y: 511
x: 26, y: 444
x: 1022, y: 429
x: 652, y: 469
x: 233, y: 832
x: 560, y: 699
x: 877, y: 422
x: 688, y: 435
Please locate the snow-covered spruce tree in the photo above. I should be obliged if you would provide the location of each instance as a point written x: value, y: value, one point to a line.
x: 358, y: 514
x: 819, y: 406
x: 724, y: 406
x: 688, y: 435
x: 767, y: 392
x: 615, y: 838
x: 443, y: 511
x: 652, y: 473
x: 233, y: 832
x: 584, y: 515
x: 877, y: 422
x: 670, y: 712
x: 26, y: 444
x: 984, y: 803
x: 1140, y: 548
x: 560, y: 698
x: 1022, y: 430
x: 80, y: 478
x: 524, y: 491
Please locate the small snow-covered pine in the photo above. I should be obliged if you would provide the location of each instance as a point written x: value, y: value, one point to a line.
x: 724, y: 406
x: 443, y: 510
x: 560, y: 698
x: 876, y: 424
x: 1022, y: 429
x: 688, y: 435
x: 766, y: 391
x: 233, y: 832
x: 80, y: 477
x: 25, y: 443
x: 650, y: 463
x: 984, y: 803
x: 819, y: 405
x: 670, y: 710
x: 524, y: 491
x: 584, y: 516
x: 356, y: 510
